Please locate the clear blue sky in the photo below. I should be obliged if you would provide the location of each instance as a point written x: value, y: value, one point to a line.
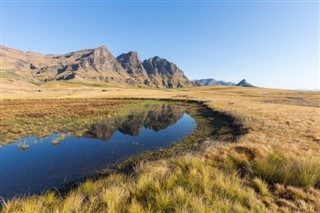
x: 271, y: 44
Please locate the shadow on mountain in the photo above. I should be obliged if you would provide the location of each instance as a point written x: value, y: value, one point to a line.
x: 153, y: 117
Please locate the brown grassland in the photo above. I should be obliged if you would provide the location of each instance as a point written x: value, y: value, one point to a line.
x: 274, y: 167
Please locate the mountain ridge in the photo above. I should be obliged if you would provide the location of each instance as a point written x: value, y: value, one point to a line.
x: 97, y: 64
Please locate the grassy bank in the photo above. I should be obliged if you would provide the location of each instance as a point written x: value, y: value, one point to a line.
x: 21, y: 118
x: 274, y: 167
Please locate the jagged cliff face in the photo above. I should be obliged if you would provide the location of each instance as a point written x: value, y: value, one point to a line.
x: 132, y: 63
x: 93, y: 64
x: 156, y: 72
x: 165, y: 73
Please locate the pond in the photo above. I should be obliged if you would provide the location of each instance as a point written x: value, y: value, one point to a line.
x: 33, y: 165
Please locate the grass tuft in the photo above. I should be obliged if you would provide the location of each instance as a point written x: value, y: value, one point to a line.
x: 261, y: 187
x: 276, y: 167
x: 59, y: 139
x: 115, y: 198
x: 23, y: 146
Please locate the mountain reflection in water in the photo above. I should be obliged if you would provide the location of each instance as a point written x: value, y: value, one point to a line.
x: 154, y: 117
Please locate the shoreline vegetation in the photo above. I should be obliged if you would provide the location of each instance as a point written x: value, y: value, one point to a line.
x: 274, y: 166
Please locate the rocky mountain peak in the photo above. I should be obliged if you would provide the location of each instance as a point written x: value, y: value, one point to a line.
x: 130, y: 59
x: 101, y: 60
x: 165, y: 73
x: 244, y: 83
x: 133, y: 54
x: 160, y: 66
x: 154, y: 71
x: 132, y: 63
x: 101, y: 51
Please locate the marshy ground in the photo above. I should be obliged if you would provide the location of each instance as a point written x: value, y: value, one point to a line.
x: 274, y: 166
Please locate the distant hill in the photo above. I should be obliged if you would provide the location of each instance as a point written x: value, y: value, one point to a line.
x: 244, y: 83
x: 96, y: 64
x: 211, y: 81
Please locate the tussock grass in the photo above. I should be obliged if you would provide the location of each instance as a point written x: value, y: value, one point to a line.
x: 297, y: 171
x: 261, y: 187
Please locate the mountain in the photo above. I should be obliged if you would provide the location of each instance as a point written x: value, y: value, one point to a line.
x: 244, y: 83
x: 96, y: 64
x: 211, y: 81
x: 132, y: 63
x: 163, y: 73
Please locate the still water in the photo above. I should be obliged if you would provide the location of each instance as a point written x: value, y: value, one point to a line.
x: 33, y: 165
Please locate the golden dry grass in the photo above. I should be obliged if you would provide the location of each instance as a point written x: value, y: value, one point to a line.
x: 274, y: 167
